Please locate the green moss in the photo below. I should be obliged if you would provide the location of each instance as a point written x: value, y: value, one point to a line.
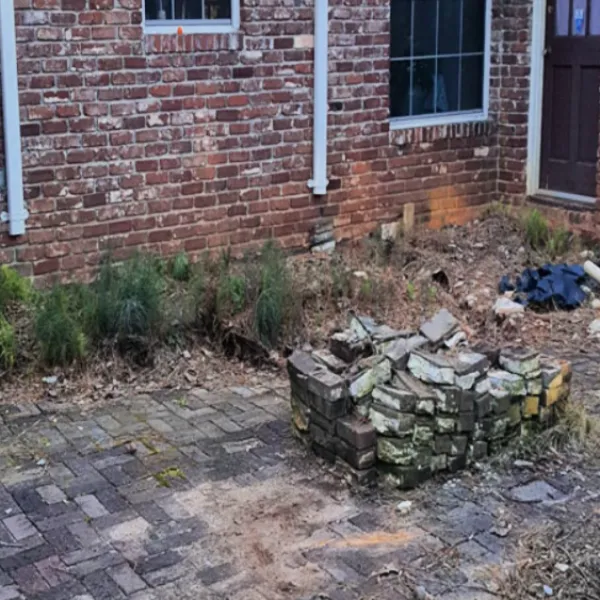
x: 166, y: 476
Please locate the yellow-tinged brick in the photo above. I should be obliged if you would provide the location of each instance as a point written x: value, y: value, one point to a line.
x: 565, y: 369
x: 553, y: 395
x: 557, y: 381
x: 531, y: 406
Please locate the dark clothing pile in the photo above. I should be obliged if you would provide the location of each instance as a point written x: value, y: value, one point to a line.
x: 549, y: 287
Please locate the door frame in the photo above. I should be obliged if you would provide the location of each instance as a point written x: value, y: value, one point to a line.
x: 536, y: 99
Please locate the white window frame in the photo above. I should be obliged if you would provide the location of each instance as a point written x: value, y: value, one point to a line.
x: 449, y: 118
x: 171, y: 26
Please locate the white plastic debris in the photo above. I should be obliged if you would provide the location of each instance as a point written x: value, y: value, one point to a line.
x: 548, y: 591
x: 404, y: 507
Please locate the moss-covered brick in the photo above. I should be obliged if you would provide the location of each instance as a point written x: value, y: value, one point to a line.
x: 396, y: 451
x: 394, y: 398
x: 445, y: 425
x: 388, y: 422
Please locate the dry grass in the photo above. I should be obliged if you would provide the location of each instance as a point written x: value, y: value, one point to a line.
x: 563, y: 557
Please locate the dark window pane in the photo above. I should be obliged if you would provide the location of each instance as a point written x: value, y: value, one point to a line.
x: 473, y: 25
x: 447, y: 85
x: 471, y: 84
x: 216, y: 9
x: 399, y: 88
x: 449, y: 34
x: 425, y: 27
x: 422, y: 92
x: 151, y: 9
x: 188, y: 9
x: 400, y: 28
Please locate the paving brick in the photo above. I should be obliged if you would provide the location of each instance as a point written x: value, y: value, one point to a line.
x: 9, y: 592
x: 53, y: 570
x: 20, y: 527
x: 126, y: 579
x: 91, y: 506
x: 84, y: 533
x: 102, y: 587
x: 51, y: 494
x: 30, y: 580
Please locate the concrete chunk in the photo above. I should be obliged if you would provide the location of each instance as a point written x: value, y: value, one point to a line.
x: 363, y: 384
x: 330, y: 361
x: 504, y: 384
x: 519, y: 361
x: 356, y: 432
x: 399, y: 350
x: 388, y: 422
x: 442, y: 326
x: 394, y: 398
x: 431, y: 368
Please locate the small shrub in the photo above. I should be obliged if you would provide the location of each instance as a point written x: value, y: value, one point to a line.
x: 58, y: 328
x: 8, y: 344
x: 129, y: 309
x: 411, y: 291
x: 275, y: 303
x: 13, y: 287
x: 181, y: 267
x: 537, y: 231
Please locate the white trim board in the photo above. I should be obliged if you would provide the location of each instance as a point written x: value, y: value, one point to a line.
x: 536, y: 96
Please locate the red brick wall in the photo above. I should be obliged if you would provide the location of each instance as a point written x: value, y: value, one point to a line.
x: 514, y: 72
x: 203, y: 141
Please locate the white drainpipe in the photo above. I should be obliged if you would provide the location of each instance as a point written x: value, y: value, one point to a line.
x: 319, y: 181
x: 12, y: 122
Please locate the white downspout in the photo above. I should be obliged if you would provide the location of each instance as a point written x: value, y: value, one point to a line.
x: 319, y: 181
x: 12, y: 121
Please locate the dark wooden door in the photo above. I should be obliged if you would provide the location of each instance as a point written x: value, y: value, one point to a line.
x: 571, y: 97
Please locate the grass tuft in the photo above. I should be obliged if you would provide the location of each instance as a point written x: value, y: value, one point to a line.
x: 537, y: 231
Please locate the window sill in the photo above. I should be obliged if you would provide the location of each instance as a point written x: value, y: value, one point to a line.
x: 189, y: 29
x: 399, y: 123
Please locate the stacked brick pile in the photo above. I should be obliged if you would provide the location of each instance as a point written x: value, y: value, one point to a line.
x: 412, y: 404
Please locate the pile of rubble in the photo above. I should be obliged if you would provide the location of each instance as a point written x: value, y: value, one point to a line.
x: 409, y: 404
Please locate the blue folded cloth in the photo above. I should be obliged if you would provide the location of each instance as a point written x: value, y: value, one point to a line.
x: 550, y: 286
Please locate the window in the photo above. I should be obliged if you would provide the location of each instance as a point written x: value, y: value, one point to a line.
x: 166, y: 16
x: 438, y: 60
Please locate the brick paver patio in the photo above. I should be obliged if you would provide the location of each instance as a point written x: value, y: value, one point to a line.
x: 198, y: 495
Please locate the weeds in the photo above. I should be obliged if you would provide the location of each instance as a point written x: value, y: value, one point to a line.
x: 411, y: 291
x: 13, y: 287
x: 58, y: 329
x: 8, y: 344
x: 165, y: 477
x: 181, y: 267
x: 575, y: 430
x: 537, y: 231
x: 558, y: 242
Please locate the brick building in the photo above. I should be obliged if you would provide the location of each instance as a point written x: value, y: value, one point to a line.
x: 188, y: 124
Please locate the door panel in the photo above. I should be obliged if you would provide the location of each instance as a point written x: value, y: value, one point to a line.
x: 571, y: 97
